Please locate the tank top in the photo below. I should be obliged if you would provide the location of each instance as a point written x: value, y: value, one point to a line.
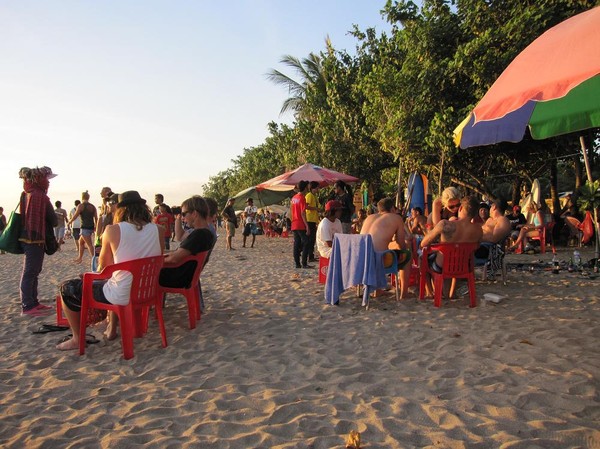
x: 87, y: 216
x: 133, y: 244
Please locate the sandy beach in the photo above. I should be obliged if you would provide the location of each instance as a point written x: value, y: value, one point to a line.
x: 271, y: 366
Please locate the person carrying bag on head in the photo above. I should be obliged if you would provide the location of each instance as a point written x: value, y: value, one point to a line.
x: 37, y: 215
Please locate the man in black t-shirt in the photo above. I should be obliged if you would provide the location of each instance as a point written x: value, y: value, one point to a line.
x: 194, y: 212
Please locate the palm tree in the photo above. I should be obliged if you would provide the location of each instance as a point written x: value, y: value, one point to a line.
x: 310, y: 71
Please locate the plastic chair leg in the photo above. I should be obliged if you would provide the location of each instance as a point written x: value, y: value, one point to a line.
x: 438, y: 291
x: 472, y: 294
x: 126, y: 323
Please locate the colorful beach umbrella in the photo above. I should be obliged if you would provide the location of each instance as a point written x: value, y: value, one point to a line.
x: 552, y: 87
x: 307, y: 172
x: 261, y: 197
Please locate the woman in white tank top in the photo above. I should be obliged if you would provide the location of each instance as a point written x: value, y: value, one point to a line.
x: 133, y: 236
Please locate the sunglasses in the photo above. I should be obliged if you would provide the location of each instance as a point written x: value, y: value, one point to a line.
x: 184, y: 213
x: 453, y: 206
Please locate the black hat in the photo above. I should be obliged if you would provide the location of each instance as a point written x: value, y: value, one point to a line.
x: 113, y: 198
x: 130, y: 197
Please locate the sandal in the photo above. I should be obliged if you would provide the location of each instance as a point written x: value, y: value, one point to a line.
x: 45, y: 328
x: 89, y: 339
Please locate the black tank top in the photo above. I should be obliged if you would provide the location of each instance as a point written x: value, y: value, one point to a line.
x: 87, y: 216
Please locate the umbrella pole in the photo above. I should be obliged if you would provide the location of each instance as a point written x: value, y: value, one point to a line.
x: 589, y: 176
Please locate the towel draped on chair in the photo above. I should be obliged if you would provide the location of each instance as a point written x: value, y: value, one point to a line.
x: 353, y: 261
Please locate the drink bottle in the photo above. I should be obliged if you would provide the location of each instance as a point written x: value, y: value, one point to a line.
x: 555, y: 264
x: 577, y: 260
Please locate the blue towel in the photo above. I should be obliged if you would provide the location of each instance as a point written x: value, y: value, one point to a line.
x: 353, y: 261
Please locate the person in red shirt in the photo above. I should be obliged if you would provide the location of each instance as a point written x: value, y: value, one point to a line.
x: 165, y: 219
x: 300, y: 225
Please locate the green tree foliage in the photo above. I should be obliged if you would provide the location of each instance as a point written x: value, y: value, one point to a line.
x: 397, y: 99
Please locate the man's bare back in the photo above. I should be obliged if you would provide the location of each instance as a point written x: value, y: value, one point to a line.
x: 384, y: 227
x: 460, y: 231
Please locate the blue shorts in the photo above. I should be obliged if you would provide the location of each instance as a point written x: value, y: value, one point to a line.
x: 432, y: 264
x: 86, y: 232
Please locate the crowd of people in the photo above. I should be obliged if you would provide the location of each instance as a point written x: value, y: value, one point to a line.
x: 123, y: 228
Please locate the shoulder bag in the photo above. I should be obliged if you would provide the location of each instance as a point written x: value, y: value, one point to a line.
x: 9, y: 240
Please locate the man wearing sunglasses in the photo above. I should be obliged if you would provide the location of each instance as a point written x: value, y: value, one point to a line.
x: 194, y: 213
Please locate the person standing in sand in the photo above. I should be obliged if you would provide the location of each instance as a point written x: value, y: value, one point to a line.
x: 61, y: 219
x: 38, y: 217
x: 249, y: 215
x: 312, y: 217
x: 75, y: 225
x: 387, y: 230
x: 231, y: 222
x: 89, y: 218
x: 2, y: 223
x: 300, y: 226
x: 133, y: 236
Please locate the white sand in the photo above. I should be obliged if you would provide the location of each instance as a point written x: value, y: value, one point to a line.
x: 270, y: 365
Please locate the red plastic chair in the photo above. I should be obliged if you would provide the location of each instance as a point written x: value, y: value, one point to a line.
x: 144, y: 293
x: 458, y: 263
x: 323, y: 267
x: 544, y: 232
x: 192, y: 292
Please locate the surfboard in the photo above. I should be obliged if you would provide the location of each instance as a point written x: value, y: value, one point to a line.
x: 416, y: 192
x: 534, y: 196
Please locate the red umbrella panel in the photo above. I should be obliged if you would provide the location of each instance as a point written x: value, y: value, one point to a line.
x: 307, y: 172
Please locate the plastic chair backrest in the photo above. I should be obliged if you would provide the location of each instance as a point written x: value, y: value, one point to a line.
x: 199, y: 259
x: 458, y: 258
x: 192, y: 291
x: 144, y: 284
x: 144, y: 293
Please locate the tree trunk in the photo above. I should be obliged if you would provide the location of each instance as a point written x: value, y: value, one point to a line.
x: 516, y: 193
x: 440, y: 179
x: 399, y: 188
x: 577, y: 170
x: 554, y: 188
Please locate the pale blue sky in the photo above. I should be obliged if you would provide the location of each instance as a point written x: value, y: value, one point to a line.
x: 149, y: 95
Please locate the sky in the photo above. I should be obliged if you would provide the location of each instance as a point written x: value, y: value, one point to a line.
x: 154, y: 96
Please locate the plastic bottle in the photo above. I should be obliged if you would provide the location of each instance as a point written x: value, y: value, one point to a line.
x: 555, y: 264
x: 577, y: 259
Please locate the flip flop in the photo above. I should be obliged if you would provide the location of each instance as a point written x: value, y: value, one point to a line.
x: 45, y: 328
x: 89, y: 339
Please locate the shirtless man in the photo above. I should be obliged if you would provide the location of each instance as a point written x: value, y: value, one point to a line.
x: 495, y: 229
x: 387, y: 230
x: 417, y: 222
x: 455, y: 231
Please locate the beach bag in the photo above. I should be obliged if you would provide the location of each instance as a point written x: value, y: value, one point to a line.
x: 9, y: 240
x: 51, y: 244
